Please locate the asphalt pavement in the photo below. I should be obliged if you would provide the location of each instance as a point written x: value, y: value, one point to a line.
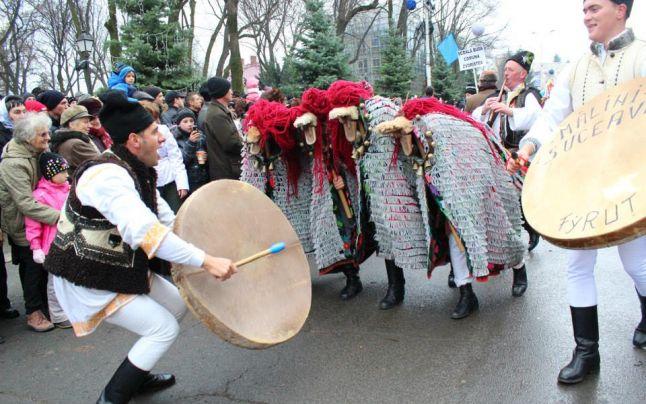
x: 351, y: 352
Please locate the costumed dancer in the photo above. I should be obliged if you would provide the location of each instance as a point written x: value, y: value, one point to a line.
x: 272, y: 163
x: 333, y: 224
x: 615, y: 56
x: 473, y: 206
x: 513, y: 113
x: 113, y: 228
x: 388, y: 192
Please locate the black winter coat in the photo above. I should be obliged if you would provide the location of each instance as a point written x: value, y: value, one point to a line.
x: 198, y: 174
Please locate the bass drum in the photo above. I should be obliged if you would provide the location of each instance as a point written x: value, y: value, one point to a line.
x: 586, y: 189
x: 268, y: 300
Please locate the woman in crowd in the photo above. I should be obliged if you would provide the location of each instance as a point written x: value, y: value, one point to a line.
x: 192, y: 144
x: 72, y: 140
x: 18, y: 178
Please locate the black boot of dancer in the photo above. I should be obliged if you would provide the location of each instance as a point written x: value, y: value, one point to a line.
x: 519, y: 285
x: 396, y: 282
x: 585, y: 359
x: 639, y: 340
x: 467, y: 304
x: 353, y: 284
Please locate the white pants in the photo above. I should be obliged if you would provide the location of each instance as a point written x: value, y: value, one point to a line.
x: 581, y: 286
x: 56, y: 313
x: 461, y: 275
x: 155, y: 317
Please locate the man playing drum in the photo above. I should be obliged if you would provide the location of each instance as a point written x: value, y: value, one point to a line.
x: 615, y: 57
x: 113, y: 229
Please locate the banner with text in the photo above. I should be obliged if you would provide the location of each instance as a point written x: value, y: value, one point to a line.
x: 472, y: 58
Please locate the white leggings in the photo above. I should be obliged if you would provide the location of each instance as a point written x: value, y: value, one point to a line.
x: 581, y: 286
x: 155, y: 318
x: 461, y: 275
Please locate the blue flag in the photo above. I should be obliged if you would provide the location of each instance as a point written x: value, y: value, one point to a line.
x: 449, y: 49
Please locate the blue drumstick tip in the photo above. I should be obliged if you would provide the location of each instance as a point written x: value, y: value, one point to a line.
x: 276, y: 248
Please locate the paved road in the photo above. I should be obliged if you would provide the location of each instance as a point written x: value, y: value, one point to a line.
x: 510, y: 351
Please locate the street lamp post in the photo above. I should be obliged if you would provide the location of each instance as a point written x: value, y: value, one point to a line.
x: 428, y: 8
x: 84, y: 46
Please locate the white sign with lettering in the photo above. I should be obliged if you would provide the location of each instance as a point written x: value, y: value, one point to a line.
x: 472, y: 58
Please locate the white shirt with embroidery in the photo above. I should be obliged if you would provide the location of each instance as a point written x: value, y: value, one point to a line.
x: 522, y: 119
x: 111, y: 190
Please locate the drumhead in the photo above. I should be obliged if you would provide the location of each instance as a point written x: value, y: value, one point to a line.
x: 587, y: 188
x: 268, y: 300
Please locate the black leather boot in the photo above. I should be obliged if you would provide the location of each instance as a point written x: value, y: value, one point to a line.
x: 353, y: 284
x: 467, y: 304
x: 519, y: 285
x: 452, y: 284
x: 639, y: 340
x: 396, y: 289
x: 585, y: 359
x: 125, y: 383
x: 534, y: 238
x: 156, y: 382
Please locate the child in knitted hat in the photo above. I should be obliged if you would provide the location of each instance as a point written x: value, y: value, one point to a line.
x: 52, y: 190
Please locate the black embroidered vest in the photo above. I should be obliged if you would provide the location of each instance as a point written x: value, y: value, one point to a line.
x: 512, y: 138
x: 88, y: 250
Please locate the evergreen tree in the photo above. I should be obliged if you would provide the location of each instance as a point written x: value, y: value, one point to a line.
x: 447, y: 85
x: 156, y: 49
x: 319, y: 60
x: 396, y: 73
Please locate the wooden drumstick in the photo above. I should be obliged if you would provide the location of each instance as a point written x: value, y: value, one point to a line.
x: 456, y: 237
x: 344, y: 200
x: 274, y: 249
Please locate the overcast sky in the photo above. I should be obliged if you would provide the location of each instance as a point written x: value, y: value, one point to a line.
x: 547, y: 27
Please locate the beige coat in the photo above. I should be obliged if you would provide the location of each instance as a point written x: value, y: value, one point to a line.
x: 18, y: 178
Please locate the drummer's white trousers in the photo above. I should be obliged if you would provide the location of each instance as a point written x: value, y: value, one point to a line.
x: 581, y: 286
x: 155, y: 318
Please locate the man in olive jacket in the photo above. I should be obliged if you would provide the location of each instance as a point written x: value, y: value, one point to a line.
x: 223, y: 142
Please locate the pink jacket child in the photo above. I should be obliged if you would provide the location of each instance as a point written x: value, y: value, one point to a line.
x: 51, y: 190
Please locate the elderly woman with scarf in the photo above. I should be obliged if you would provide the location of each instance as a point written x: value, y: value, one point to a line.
x: 18, y: 178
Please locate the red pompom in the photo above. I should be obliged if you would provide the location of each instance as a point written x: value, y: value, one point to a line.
x: 344, y: 93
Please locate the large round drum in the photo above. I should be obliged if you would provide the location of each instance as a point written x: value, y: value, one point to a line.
x: 587, y: 188
x: 268, y: 300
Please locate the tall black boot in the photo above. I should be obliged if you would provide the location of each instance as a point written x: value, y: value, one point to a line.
x: 125, y: 383
x: 519, y: 285
x: 396, y: 289
x: 639, y: 340
x: 467, y: 304
x: 353, y: 284
x: 585, y: 358
x: 451, y: 281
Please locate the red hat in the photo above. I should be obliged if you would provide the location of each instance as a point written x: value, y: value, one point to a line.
x: 35, y: 106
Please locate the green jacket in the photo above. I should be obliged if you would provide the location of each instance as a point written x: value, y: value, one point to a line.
x: 18, y: 178
x: 223, y: 143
